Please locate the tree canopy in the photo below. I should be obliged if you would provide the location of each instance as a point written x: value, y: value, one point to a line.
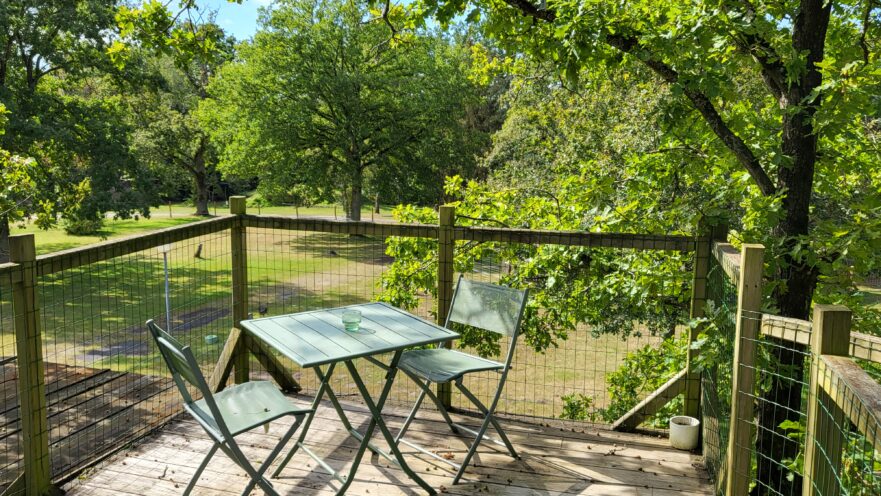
x: 788, y: 90
x: 65, y: 111
x: 327, y: 99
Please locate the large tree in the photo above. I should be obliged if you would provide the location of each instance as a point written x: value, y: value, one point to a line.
x: 58, y: 85
x: 817, y: 63
x: 183, y: 51
x: 168, y: 135
x: 326, y: 97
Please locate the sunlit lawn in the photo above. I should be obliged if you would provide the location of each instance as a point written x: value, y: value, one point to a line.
x: 56, y: 239
x: 872, y: 296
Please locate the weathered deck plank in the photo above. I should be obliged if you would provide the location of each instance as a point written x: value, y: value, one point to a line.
x: 91, y: 412
x: 556, y: 461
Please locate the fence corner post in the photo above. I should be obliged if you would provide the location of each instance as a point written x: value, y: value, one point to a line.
x: 31, y: 377
x: 445, y: 255
x: 239, y: 249
x: 703, y: 245
x: 824, y: 442
x: 743, y: 380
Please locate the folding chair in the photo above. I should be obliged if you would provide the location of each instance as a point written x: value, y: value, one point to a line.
x: 228, y: 413
x: 484, y: 306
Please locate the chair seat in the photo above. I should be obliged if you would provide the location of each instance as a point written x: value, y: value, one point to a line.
x: 442, y: 365
x: 248, y: 405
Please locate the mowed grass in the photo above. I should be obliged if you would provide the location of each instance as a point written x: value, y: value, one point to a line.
x: 94, y: 316
x: 872, y: 296
x: 55, y: 239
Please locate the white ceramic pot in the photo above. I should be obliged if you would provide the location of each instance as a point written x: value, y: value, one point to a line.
x: 684, y: 432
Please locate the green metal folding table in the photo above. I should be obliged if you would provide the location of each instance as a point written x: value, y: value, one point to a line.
x: 318, y: 340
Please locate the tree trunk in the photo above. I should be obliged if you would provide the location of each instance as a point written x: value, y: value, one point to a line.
x: 376, y: 204
x: 793, y: 298
x: 4, y: 238
x: 356, y: 198
x: 200, y: 180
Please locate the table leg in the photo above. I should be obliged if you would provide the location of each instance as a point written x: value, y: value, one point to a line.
x: 324, y: 385
x: 377, y: 421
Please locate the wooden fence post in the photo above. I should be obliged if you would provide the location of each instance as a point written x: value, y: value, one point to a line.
x: 824, y: 441
x: 703, y: 244
x: 743, y: 380
x: 239, y: 248
x: 445, y: 254
x: 31, y: 378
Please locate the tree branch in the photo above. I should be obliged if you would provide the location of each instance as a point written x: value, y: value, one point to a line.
x: 773, y: 71
x: 704, y: 105
x: 536, y: 12
x: 701, y: 102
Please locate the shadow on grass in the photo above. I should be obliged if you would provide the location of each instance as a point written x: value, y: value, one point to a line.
x: 871, y: 296
x: 360, y: 249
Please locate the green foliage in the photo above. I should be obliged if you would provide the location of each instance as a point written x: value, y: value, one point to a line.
x: 643, y: 372
x: 860, y: 462
x: 613, y: 291
x: 325, y: 102
x: 577, y: 406
x: 83, y: 227
x: 65, y: 110
x: 723, y: 73
x: 16, y: 178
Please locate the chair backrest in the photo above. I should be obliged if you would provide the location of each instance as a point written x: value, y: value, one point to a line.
x: 185, y: 369
x: 487, y: 306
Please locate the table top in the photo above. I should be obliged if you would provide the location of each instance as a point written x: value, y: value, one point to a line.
x: 318, y: 337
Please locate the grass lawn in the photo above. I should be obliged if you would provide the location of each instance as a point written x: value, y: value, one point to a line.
x: 872, y: 296
x: 56, y: 239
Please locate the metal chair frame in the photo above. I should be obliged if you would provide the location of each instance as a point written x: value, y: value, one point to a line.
x: 185, y: 369
x: 487, y: 411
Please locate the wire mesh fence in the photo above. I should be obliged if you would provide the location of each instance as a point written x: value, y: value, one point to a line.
x: 564, y: 369
x: 106, y: 384
x: 718, y: 353
x: 782, y: 372
x: 10, y: 446
x: 296, y: 270
x: 846, y: 458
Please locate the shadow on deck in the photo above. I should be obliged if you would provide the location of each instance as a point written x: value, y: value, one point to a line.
x: 556, y: 461
x: 90, y: 412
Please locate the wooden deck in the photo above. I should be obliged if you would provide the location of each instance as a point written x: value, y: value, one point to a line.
x: 90, y: 412
x: 557, y: 460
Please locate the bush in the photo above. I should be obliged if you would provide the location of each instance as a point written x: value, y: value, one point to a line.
x: 83, y: 227
x: 577, y: 406
x: 643, y: 372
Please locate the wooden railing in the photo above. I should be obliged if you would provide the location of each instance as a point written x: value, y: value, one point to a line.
x: 26, y: 269
x: 840, y: 391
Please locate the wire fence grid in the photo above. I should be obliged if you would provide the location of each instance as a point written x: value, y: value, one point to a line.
x: 716, y: 375
x: 848, y: 450
x: 293, y: 270
x: 11, y: 463
x: 297, y: 270
x: 574, y: 378
x: 106, y: 385
x: 782, y: 377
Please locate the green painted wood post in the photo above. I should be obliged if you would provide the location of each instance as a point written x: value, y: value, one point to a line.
x: 239, y: 249
x: 31, y: 377
x: 824, y: 441
x: 743, y: 380
x: 445, y: 254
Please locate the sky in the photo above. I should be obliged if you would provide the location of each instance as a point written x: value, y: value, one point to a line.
x: 239, y: 20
